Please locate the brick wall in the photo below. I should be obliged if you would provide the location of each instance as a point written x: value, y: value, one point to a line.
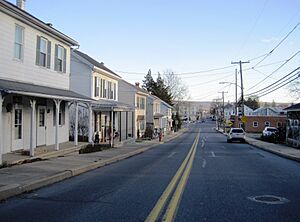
x: 250, y: 126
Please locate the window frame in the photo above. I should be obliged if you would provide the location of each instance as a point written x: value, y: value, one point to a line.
x: 267, y: 125
x: 255, y: 125
x: 20, y: 44
x: 41, y: 55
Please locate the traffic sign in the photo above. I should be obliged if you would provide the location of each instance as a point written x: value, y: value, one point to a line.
x: 244, y: 119
x: 229, y: 123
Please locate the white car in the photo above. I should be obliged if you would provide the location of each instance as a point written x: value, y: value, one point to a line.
x: 269, y: 131
x: 236, y: 134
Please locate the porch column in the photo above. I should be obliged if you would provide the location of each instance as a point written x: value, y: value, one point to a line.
x: 90, y: 123
x: 1, y: 127
x: 57, y: 106
x: 112, y: 129
x: 32, y: 137
x: 76, y: 125
x: 120, y: 127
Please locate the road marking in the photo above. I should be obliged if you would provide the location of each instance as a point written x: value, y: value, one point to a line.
x: 172, y: 154
x: 203, y: 143
x: 155, y: 212
x: 204, y: 163
x: 213, y: 154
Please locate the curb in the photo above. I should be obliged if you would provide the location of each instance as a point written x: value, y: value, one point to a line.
x: 16, y: 189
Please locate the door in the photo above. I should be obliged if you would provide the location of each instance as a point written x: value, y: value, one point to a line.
x: 17, y: 134
x: 41, y: 126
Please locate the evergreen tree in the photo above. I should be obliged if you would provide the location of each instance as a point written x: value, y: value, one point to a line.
x: 149, y: 84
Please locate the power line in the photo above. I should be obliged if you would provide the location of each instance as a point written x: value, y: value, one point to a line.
x: 281, y: 86
x: 278, y: 81
x: 210, y: 81
x: 289, y: 59
x: 269, y: 53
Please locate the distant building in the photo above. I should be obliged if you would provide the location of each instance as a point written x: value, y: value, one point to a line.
x: 192, y: 110
x: 293, y: 125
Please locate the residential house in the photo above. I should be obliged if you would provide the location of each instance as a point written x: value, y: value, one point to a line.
x: 258, y: 119
x: 293, y: 125
x: 135, y: 96
x: 166, y: 120
x: 111, y: 120
x: 34, y: 81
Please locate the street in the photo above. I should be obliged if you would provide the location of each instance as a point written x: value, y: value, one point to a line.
x: 218, y: 182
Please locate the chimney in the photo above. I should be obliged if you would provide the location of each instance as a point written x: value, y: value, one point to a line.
x: 21, y: 4
x: 137, y: 84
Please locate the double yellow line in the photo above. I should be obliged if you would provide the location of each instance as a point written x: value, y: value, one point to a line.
x: 182, y: 176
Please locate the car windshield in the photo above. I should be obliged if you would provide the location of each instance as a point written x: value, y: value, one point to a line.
x: 237, y: 131
x: 272, y: 129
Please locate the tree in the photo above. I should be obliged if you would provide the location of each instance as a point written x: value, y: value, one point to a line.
x: 176, y: 87
x: 162, y: 91
x: 273, y: 104
x: 149, y: 84
x: 252, y: 102
x: 294, y: 89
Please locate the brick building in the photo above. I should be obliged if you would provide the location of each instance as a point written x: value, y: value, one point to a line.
x: 256, y: 124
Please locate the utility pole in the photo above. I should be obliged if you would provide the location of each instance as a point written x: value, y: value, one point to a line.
x: 236, y: 119
x: 223, y: 108
x: 242, y: 87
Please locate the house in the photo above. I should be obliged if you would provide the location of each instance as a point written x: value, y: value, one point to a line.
x: 111, y: 120
x: 158, y: 114
x: 262, y: 117
x: 293, y: 125
x: 135, y: 96
x: 34, y: 81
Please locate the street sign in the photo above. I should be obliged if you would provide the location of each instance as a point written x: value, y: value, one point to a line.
x: 244, y: 119
x: 229, y: 123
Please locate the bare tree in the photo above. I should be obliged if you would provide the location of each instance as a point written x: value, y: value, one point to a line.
x: 294, y: 89
x: 176, y: 87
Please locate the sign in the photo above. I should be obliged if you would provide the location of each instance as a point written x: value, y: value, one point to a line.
x: 244, y: 119
x: 229, y: 123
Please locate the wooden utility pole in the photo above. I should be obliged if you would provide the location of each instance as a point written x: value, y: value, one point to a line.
x: 223, y: 108
x: 242, y: 87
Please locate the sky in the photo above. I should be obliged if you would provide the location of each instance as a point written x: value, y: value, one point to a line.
x: 187, y: 36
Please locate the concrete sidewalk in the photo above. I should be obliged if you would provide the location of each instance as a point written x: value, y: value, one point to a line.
x: 27, y: 177
x: 278, y: 149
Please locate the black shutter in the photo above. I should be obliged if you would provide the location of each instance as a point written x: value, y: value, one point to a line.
x: 55, y: 58
x: 48, y: 54
x: 65, y: 61
x: 38, y: 43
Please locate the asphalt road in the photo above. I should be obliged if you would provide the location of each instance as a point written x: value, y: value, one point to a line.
x: 218, y: 182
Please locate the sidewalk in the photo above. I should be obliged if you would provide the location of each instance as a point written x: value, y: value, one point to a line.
x: 278, y: 149
x: 27, y: 177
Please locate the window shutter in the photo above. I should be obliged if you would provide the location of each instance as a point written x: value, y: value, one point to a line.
x: 38, y: 43
x: 65, y: 61
x: 48, y: 54
x: 56, y: 57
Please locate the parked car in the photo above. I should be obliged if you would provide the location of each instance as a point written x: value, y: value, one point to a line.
x: 270, y: 134
x: 236, y: 134
x: 269, y: 131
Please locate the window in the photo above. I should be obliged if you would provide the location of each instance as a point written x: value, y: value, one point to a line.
x: 19, y: 42
x: 96, y: 86
x: 104, y: 89
x: 142, y: 103
x: 267, y: 123
x: 255, y: 124
x: 279, y: 124
x: 60, y: 58
x: 43, y: 52
x: 109, y: 89
x: 18, y: 124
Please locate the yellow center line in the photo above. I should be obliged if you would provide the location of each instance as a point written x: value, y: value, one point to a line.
x: 154, y: 214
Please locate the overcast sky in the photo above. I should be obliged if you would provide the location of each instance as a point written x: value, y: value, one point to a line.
x: 131, y: 36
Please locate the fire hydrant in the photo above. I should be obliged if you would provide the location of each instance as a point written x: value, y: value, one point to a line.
x: 160, y: 137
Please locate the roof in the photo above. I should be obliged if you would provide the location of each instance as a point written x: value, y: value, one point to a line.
x: 39, y: 91
x: 295, y: 107
x: 136, y: 87
x: 109, y: 105
x: 29, y: 19
x: 94, y: 62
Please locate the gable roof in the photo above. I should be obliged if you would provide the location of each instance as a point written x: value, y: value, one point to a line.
x: 139, y: 89
x: 19, y: 14
x: 95, y: 62
x: 295, y: 107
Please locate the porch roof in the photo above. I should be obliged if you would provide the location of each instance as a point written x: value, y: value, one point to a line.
x: 295, y: 107
x: 33, y: 90
x: 108, y: 105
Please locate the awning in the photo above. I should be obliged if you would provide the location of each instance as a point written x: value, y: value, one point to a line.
x: 28, y: 89
x: 140, y: 117
x: 110, y: 105
x: 158, y: 115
